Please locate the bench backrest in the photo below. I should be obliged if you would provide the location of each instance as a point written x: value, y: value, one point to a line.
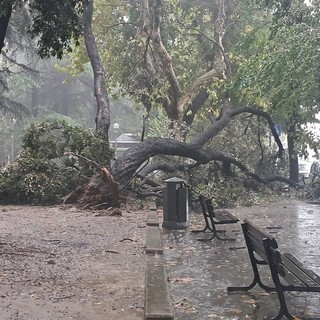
x: 258, y: 241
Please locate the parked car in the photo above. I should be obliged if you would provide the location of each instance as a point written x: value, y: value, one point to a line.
x: 304, y: 170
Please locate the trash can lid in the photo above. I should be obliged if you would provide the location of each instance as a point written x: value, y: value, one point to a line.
x: 174, y: 179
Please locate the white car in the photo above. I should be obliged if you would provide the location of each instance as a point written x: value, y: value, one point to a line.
x: 304, y: 170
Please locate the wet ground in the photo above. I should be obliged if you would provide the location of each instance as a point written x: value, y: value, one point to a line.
x: 200, y: 272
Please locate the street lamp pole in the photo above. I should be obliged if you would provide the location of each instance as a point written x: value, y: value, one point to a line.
x: 116, y: 128
x: 13, y: 122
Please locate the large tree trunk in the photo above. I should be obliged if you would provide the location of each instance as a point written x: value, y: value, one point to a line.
x: 4, y: 22
x: 102, y: 191
x: 100, y: 88
x: 293, y: 160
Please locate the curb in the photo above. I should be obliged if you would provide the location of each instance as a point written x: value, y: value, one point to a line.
x: 158, y: 303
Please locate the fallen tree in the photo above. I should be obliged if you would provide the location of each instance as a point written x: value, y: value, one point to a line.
x: 137, y: 162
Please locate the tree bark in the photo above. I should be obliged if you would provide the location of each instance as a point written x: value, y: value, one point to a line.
x: 100, y: 88
x: 4, y: 22
x: 293, y: 160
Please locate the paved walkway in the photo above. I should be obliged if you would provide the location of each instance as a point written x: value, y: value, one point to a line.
x: 199, y: 272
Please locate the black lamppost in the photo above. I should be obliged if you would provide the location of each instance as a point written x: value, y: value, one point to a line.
x: 13, y: 122
x: 116, y: 128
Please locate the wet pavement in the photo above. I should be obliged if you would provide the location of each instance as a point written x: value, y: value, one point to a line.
x: 200, y: 272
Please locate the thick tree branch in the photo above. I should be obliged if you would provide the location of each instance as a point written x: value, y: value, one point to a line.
x: 135, y: 156
x: 267, y: 116
x: 227, y: 116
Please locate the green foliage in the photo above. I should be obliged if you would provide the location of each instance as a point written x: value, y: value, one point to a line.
x: 279, y: 69
x: 232, y: 188
x: 228, y: 193
x: 42, y: 173
x: 54, y: 23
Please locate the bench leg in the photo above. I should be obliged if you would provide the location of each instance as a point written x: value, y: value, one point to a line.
x: 256, y: 280
x: 207, y: 226
x: 283, y: 313
x: 226, y: 238
x: 198, y: 231
x: 280, y: 315
x: 215, y: 232
x: 283, y: 307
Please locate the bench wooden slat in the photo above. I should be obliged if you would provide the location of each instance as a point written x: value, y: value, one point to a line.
x: 224, y: 216
x: 310, y: 273
x: 300, y: 272
x: 292, y: 283
x: 288, y: 275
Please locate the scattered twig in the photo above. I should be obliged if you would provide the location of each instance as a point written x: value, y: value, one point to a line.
x: 64, y: 297
x: 24, y: 280
x: 236, y: 248
x: 16, y: 254
x: 52, y: 240
x: 274, y: 227
x: 127, y: 239
x: 112, y: 251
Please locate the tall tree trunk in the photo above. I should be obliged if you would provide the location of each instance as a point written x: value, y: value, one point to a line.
x: 4, y: 22
x: 293, y: 160
x: 100, y: 88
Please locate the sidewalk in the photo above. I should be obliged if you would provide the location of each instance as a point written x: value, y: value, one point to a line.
x: 200, y: 272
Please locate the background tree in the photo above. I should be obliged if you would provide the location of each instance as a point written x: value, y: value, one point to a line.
x: 182, y: 62
x: 281, y: 73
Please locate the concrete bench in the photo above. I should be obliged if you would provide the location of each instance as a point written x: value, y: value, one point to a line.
x: 152, y: 219
x: 153, y: 241
x: 157, y: 300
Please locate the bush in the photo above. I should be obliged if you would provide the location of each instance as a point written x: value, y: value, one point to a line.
x: 42, y: 173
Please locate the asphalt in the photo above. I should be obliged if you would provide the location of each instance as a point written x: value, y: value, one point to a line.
x: 200, y: 272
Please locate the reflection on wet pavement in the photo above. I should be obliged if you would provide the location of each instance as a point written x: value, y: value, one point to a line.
x: 200, y: 272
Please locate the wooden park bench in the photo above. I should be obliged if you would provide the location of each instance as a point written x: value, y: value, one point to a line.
x: 213, y: 218
x: 288, y: 274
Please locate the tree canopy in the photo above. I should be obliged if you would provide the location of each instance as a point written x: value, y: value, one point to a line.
x: 203, y: 62
x: 53, y: 23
